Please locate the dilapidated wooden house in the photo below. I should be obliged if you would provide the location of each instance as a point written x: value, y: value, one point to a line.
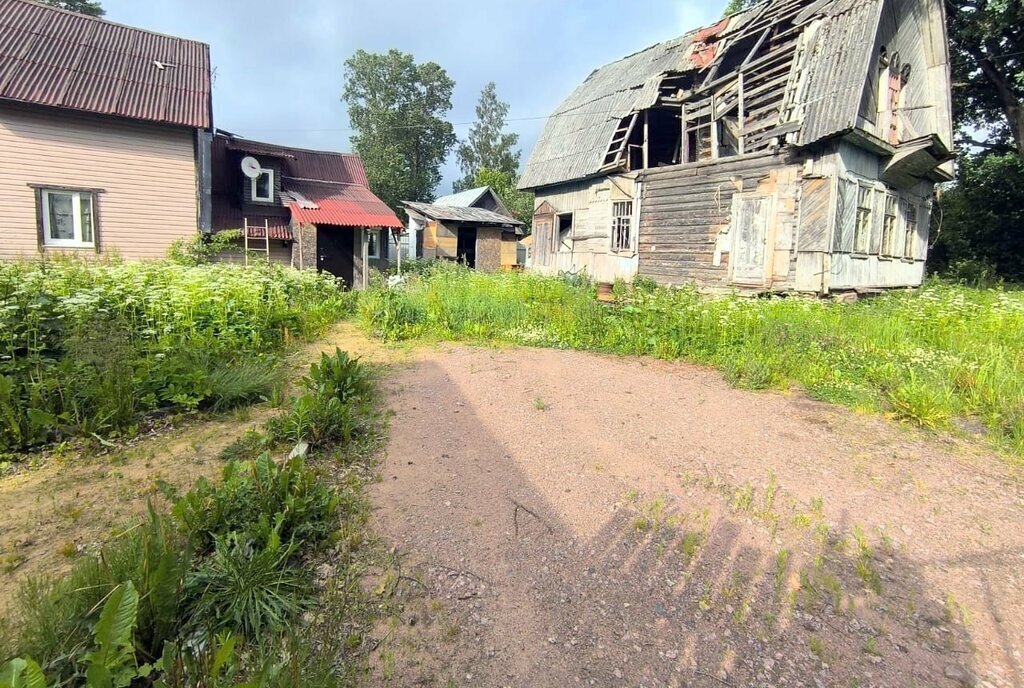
x: 794, y: 146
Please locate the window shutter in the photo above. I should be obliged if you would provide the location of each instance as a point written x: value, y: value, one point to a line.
x: 39, y: 218
x: 877, y: 215
x: 846, y: 216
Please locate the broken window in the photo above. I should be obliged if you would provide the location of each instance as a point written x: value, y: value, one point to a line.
x: 564, y: 234
x: 862, y: 228
x: 889, y: 226
x: 699, y: 141
x: 622, y: 220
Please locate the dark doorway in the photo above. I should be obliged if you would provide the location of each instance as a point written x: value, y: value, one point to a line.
x: 335, y: 252
x: 465, y: 250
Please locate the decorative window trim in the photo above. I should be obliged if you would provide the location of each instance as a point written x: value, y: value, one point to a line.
x: 44, y: 194
x: 622, y: 225
x: 887, y: 242
x: 254, y: 182
x: 863, y: 219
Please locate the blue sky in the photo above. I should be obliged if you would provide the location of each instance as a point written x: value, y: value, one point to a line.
x: 278, y: 64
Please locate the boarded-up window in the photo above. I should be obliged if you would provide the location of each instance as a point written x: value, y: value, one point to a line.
x: 862, y: 230
x: 750, y: 223
x: 622, y: 221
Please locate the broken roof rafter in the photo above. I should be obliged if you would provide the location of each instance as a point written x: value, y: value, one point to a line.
x: 762, y: 43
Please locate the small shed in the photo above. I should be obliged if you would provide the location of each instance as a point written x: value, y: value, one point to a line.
x: 472, y: 227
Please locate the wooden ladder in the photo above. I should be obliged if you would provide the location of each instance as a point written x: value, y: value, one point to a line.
x: 266, y: 240
x: 620, y: 139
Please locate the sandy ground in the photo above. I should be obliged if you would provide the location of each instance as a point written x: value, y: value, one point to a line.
x: 569, y: 519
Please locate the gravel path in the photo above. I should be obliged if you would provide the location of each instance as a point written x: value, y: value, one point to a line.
x: 571, y: 519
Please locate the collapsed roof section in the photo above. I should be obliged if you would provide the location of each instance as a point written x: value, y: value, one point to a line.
x: 784, y: 71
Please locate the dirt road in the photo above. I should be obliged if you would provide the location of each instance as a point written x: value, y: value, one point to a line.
x: 572, y: 519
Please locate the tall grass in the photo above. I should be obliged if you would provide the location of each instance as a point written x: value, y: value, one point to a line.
x: 934, y: 356
x: 89, y: 348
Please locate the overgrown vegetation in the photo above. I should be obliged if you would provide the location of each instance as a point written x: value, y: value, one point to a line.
x: 89, y: 348
x: 939, y: 356
x: 219, y: 591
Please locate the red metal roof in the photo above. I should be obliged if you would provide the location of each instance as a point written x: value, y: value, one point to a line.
x: 346, y: 205
x: 68, y: 60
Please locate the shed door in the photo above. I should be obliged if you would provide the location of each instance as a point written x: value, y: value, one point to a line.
x: 750, y: 253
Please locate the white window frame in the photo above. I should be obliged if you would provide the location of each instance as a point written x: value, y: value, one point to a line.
x: 255, y: 185
x: 370, y: 234
x: 76, y: 209
x: 620, y: 222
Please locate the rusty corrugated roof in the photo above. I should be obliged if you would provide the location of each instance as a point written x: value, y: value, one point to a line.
x: 68, y: 60
x: 345, y: 205
x: 326, y: 166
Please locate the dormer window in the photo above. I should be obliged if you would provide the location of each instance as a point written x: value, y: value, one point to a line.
x: 263, y: 187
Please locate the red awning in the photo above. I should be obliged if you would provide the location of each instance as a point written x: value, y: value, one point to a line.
x: 346, y: 205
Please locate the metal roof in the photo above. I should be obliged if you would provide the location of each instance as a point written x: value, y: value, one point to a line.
x: 303, y: 163
x: 68, y: 60
x: 446, y: 213
x: 345, y: 205
x: 463, y: 199
x: 576, y: 136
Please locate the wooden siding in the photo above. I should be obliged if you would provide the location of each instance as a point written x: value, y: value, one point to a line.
x: 588, y: 247
x: 686, y: 214
x: 915, y: 30
x: 509, y: 249
x: 147, y: 173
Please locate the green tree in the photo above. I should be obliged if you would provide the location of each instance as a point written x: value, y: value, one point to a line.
x: 987, y: 53
x: 977, y: 225
x: 90, y: 7
x: 488, y: 146
x: 519, y: 203
x: 734, y: 6
x: 396, y: 108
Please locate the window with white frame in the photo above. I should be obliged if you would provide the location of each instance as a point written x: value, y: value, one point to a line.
x: 373, y: 249
x: 68, y: 218
x: 622, y: 226
x: 909, y: 228
x: 865, y: 218
x: 263, y: 187
x: 888, y: 243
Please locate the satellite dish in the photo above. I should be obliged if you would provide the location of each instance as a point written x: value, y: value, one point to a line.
x: 251, y: 167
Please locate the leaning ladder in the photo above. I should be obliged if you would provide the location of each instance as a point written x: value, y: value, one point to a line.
x: 266, y: 240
